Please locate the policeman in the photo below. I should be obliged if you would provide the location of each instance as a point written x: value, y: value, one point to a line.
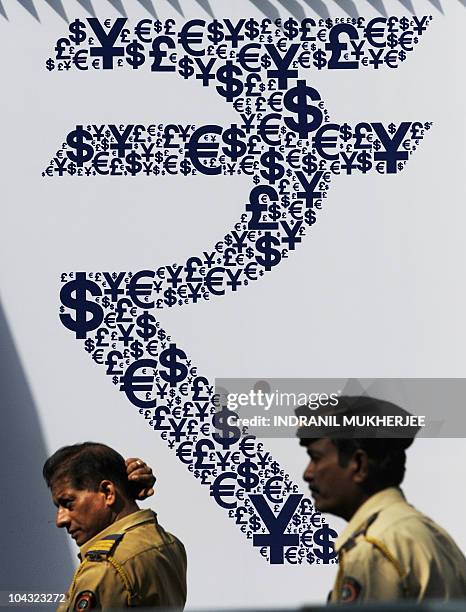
x: 127, y: 558
x: 389, y: 550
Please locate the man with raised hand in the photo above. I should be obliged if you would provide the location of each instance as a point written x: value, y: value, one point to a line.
x: 127, y: 559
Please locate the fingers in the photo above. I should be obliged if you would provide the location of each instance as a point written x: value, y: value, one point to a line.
x: 135, y: 468
x: 140, y: 473
x: 133, y: 463
x: 145, y: 493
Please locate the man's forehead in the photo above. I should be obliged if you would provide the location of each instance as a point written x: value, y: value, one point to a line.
x: 61, y: 487
x: 322, y: 445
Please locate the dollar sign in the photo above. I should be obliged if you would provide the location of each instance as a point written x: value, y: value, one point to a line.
x: 170, y: 359
x: 309, y: 164
x: 365, y: 163
x: 320, y: 59
x: 136, y: 58
x: 322, y: 538
x: 296, y: 520
x: 229, y: 433
x: 233, y: 87
x: 275, y: 468
x: 136, y: 349
x: 254, y: 523
x: 377, y: 144
x: 75, y: 140
x: 89, y: 345
x: 290, y: 28
x: 275, y: 211
x: 250, y: 252
x: 392, y: 40
x: 346, y: 132
x: 71, y: 168
x: 115, y: 380
x: 50, y: 64
x: 146, y: 329
x: 158, y: 157
x: 404, y: 23
x: 80, y: 286
x: 77, y: 31
x: 161, y: 335
x: 157, y: 26
x: 256, y: 180
x: 272, y: 257
x: 252, y: 31
x: 234, y: 138
x: 400, y: 166
x: 185, y: 167
x: 133, y: 166
x: 392, y: 128
x: 310, y: 216
x: 106, y: 301
x: 246, y: 477
x: 273, y: 170
x: 402, y: 55
x: 266, y: 62
x: 215, y: 30
x: 295, y: 100
x: 186, y: 67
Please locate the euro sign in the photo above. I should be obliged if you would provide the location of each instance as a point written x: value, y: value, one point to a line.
x: 134, y: 382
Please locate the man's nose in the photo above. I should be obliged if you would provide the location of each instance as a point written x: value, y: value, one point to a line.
x: 62, y: 519
x: 308, y: 475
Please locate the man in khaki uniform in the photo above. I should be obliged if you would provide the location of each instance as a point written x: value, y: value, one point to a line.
x: 389, y: 550
x: 127, y: 559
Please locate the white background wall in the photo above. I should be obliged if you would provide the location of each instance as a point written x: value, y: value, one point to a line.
x: 376, y: 289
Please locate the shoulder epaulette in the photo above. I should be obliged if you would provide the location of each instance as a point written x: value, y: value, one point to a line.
x: 381, y: 547
x: 104, y: 547
x: 351, y: 542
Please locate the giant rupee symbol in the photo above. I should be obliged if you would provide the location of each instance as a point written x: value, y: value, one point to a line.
x: 285, y: 141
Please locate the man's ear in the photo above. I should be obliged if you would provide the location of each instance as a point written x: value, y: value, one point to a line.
x: 360, y: 464
x: 109, y: 491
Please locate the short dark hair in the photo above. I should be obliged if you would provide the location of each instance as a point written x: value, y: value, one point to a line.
x: 86, y: 465
x: 386, y: 459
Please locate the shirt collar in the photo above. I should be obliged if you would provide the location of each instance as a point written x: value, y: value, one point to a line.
x: 123, y: 524
x: 374, y: 504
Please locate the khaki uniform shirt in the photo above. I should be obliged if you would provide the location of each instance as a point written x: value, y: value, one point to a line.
x: 390, y: 551
x: 133, y: 562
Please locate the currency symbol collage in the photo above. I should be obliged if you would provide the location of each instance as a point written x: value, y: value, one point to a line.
x: 285, y: 140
